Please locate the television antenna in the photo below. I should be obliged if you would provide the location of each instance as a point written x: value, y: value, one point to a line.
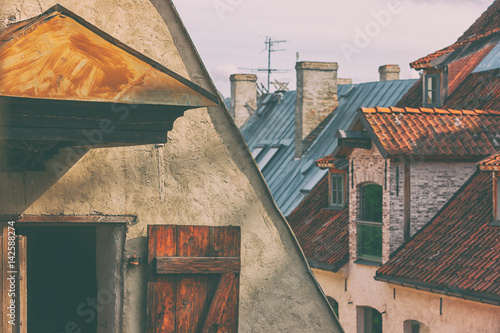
x: 270, y: 48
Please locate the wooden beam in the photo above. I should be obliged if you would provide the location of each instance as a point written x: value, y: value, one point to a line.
x: 22, y: 284
x: 197, y: 265
x: 407, y: 200
x: 83, y: 137
x: 216, y: 310
x: 77, y: 219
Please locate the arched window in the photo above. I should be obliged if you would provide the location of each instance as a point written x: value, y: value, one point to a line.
x: 371, y: 203
x: 334, y: 304
x: 369, y: 224
x: 369, y: 320
x: 413, y: 326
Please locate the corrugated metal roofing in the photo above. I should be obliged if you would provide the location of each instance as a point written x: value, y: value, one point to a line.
x: 273, y: 124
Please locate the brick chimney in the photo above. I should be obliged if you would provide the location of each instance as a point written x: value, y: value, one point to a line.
x: 243, y: 97
x: 389, y: 72
x: 316, y: 98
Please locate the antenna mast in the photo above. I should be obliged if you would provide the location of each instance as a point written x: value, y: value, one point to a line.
x: 270, y: 44
x: 270, y: 48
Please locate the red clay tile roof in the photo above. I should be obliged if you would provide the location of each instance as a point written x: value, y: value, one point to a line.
x: 326, y: 162
x: 491, y: 163
x: 488, y: 21
x: 478, y: 91
x: 486, y: 25
x: 434, y: 132
x: 322, y: 233
x: 458, y: 251
x: 413, y: 97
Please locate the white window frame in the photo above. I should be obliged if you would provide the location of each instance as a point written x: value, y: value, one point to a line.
x: 435, y: 90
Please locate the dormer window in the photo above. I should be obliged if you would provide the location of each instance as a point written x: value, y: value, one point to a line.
x: 337, y: 190
x: 432, y: 89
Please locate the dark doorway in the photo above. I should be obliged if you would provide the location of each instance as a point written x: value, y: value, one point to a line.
x: 61, y: 277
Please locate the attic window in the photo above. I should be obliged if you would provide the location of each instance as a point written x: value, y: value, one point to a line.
x: 432, y: 96
x: 337, y: 190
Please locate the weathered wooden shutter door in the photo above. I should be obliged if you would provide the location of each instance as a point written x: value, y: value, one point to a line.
x: 13, y: 263
x: 193, y: 279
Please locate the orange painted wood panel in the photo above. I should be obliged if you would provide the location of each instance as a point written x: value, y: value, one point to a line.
x: 58, y: 55
x: 161, y: 288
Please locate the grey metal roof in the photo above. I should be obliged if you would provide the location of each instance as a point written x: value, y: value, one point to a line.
x: 273, y: 125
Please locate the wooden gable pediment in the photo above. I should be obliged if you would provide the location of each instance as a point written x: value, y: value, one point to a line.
x: 60, y: 76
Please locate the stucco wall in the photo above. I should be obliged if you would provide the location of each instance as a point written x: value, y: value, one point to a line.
x: 458, y: 316
x: 204, y: 175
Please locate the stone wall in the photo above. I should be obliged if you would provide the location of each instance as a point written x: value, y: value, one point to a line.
x: 432, y: 184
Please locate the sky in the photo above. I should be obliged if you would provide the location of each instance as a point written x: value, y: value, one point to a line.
x: 360, y: 35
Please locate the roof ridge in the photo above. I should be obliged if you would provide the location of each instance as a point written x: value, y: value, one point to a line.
x: 447, y: 111
x: 485, y: 25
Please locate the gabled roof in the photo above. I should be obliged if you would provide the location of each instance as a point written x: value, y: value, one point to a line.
x: 433, y: 132
x: 273, y: 123
x: 322, y: 233
x: 60, y: 56
x: 484, y: 31
x: 326, y: 162
x: 487, y: 22
x: 491, y: 163
x: 480, y: 90
x: 458, y: 251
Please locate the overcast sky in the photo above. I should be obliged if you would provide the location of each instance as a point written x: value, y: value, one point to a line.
x: 360, y: 35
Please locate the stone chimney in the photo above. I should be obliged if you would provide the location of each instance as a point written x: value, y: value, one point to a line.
x: 316, y: 98
x: 243, y: 97
x: 389, y: 72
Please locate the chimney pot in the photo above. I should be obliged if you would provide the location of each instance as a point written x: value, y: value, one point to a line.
x: 243, y: 97
x: 389, y: 72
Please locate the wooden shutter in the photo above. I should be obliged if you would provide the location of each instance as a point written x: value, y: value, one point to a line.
x: 13, y: 263
x: 193, y: 279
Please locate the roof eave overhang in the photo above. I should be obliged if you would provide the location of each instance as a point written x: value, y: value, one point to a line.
x: 440, y: 289
x: 459, y: 53
x: 366, y: 124
x: 329, y: 267
x: 436, y: 158
x: 85, y: 123
x: 489, y: 168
